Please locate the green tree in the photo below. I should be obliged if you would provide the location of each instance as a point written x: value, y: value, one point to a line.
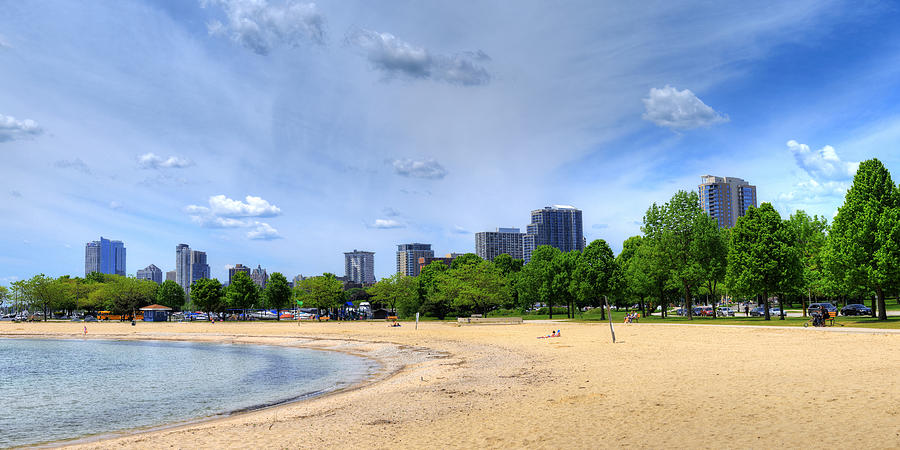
x: 674, y: 229
x: 761, y: 256
x: 125, y: 295
x: 564, y: 283
x: 4, y: 294
x: 464, y: 260
x: 535, y: 281
x: 481, y: 287
x: 597, y: 272
x: 636, y: 275
x: 395, y: 289
x: 429, y: 279
x: 507, y: 264
x: 242, y: 293
x: 810, y: 236
x: 208, y: 296
x: 322, y: 292
x: 861, y: 240
x: 44, y: 293
x: 711, y: 251
x: 278, y: 293
x: 170, y: 294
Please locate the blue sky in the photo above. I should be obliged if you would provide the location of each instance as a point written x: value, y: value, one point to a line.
x: 284, y: 133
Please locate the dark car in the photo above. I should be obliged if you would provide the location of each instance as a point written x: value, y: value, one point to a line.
x: 814, y: 308
x: 856, y: 310
x: 758, y: 312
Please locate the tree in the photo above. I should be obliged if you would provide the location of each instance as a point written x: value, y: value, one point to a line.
x: 809, y: 233
x: 4, y: 294
x: 674, y: 227
x: 464, y: 260
x: 125, y: 295
x: 170, y: 294
x: 711, y: 250
x: 429, y: 279
x: 535, y: 281
x: 322, y: 292
x: 481, y: 287
x: 507, y: 264
x: 45, y: 293
x: 278, y: 293
x: 208, y: 296
x: 242, y: 293
x: 761, y: 256
x: 861, y: 238
x: 394, y: 289
x: 597, y: 273
x: 564, y: 283
x: 636, y: 273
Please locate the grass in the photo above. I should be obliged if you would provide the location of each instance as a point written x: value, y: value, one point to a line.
x: 893, y: 322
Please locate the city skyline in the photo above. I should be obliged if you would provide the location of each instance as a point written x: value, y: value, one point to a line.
x: 353, y: 126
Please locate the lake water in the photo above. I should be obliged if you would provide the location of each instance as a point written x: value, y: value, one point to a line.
x: 60, y: 389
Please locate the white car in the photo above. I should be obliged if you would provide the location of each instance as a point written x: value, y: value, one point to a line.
x: 724, y: 311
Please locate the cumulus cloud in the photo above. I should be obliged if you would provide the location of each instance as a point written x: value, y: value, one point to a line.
x: 222, y: 206
x: 261, y: 25
x: 75, y: 164
x: 152, y: 161
x: 822, y: 164
x: 385, y: 224
x: 668, y: 107
x: 428, y: 168
x: 263, y: 232
x: 12, y: 128
x: 812, y: 192
x: 395, y: 57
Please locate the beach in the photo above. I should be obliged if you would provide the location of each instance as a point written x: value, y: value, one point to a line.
x: 499, y: 386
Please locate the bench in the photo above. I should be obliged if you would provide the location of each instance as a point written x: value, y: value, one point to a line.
x: 831, y: 316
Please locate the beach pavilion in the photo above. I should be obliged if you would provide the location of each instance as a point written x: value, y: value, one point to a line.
x: 156, y: 313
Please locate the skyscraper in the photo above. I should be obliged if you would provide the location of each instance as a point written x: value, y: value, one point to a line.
x: 490, y: 244
x: 557, y: 226
x: 259, y: 276
x: 104, y: 256
x: 170, y: 275
x: 726, y: 198
x: 183, y: 267
x: 237, y: 268
x: 408, y: 257
x: 151, y: 273
x: 199, y: 267
x: 359, y: 266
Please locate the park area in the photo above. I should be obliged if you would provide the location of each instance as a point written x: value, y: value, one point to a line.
x: 659, y: 385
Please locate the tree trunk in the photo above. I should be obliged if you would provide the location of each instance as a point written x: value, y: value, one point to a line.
x: 766, y: 301
x: 603, y: 310
x: 882, y: 307
x: 874, y: 303
x: 803, y: 302
x: 550, y: 306
x: 687, y: 301
x: 568, y: 310
x: 641, y: 302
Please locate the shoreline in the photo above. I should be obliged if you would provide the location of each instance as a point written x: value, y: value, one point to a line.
x: 501, y: 387
x: 385, y: 367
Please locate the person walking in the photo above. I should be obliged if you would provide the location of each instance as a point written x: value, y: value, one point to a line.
x: 747, y: 309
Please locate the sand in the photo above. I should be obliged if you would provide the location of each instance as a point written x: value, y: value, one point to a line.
x: 498, y: 386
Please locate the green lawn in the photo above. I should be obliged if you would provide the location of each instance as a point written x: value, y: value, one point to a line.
x: 860, y: 322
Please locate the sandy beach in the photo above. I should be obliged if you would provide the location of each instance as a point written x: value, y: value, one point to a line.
x: 499, y: 386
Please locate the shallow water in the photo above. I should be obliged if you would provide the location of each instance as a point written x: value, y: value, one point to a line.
x: 60, y: 389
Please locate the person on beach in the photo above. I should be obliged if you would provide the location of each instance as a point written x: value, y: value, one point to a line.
x: 85, y: 330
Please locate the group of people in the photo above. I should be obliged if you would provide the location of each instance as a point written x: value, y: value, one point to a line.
x: 631, y: 318
x: 819, y: 317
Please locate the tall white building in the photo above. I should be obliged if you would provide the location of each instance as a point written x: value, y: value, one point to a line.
x: 104, y: 256
x: 408, y: 257
x: 359, y: 266
x: 490, y: 244
x: 726, y: 198
x: 183, y: 266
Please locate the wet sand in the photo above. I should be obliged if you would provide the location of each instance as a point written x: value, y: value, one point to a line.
x: 498, y: 386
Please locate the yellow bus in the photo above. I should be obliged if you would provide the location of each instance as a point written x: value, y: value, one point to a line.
x: 108, y: 315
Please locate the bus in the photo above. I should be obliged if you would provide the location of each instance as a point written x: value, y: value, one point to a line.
x: 108, y: 315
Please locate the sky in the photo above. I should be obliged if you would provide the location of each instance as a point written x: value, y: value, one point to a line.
x: 283, y: 133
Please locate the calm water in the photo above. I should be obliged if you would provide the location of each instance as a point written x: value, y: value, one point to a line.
x: 60, y: 389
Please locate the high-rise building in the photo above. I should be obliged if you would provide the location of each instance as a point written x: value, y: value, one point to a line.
x: 183, y: 267
x: 170, y: 275
x: 104, y: 256
x: 490, y: 244
x: 237, y: 268
x: 199, y: 267
x: 557, y: 226
x: 359, y: 266
x: 151, y: 273
x: 408, y: 257
x: 259, y: 276
x: 726, y: 198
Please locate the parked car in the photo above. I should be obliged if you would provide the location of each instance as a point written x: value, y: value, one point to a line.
x: 724, y: 311
x: 856, y: 309
x: 90, y: 319
x: 814, y: 307
x: 774, y: 312
x: 681, y: 311
x: 758, y: 312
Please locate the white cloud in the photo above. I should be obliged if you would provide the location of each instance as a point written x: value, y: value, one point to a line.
x: 671, y: 108
x: 115, y: 205
x: 12, y: 128
x: 428, y: 169
x: 152, y: 161
x: 261, y: 25
x: 386, y: 224
x: 395, y: 57
x: 208, y: 221
x: 222, y: 206
x: 823, y: 163
x: 460, y: 230
x: 812, y: 192
x: 263, y: 232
